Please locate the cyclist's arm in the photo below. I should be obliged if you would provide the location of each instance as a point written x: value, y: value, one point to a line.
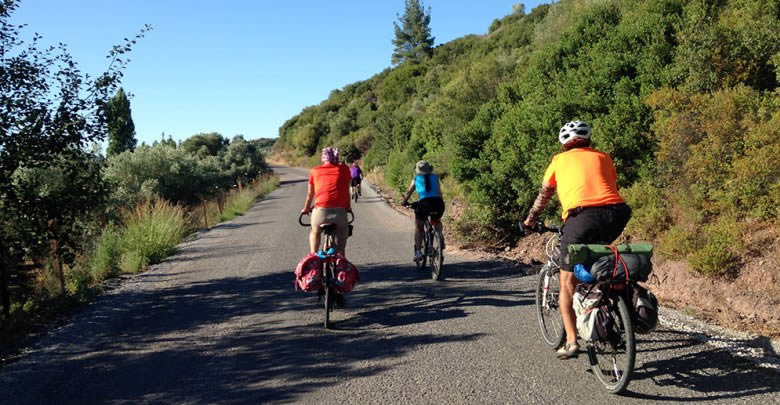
x: 545, y: 194
x: 309, y: 197
x: 409, y: 192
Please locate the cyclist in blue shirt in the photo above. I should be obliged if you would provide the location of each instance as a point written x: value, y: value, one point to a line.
x: 430, y: 203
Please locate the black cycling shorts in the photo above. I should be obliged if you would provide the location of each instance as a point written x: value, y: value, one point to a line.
x: 592, y: 225
x: 355, y: 181
x: 431, y: 206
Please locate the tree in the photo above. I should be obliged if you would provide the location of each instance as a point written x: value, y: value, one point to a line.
x: 242, y: 161
x: 413, y: 40
x: 49, y: 113
x: 121, y: 130
x: 210, y: 144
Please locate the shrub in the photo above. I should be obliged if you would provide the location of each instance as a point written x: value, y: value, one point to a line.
x: 106, y: 254
x: 650, y: 214
x: 718, y: 247
x: 152, y: 232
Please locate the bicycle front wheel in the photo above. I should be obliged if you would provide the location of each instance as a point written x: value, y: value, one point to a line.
x: 437, y: 253
x: 548, y: 287
x: 612, y: 360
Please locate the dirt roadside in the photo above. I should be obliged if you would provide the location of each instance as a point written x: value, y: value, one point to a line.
x: 740, y: 313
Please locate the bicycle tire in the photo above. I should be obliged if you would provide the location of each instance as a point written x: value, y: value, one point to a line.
x: 355, y: 194
x: 603, y: 355
x: 548, y: 311
x: 437, y: 254
x: 328, y: 296
x: 426, y: 246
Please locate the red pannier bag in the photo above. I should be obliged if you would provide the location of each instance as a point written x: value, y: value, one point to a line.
x: 308, y: 276
x: 347, y: 275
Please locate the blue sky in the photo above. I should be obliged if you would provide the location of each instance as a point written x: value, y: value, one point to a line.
x: 239, y: 66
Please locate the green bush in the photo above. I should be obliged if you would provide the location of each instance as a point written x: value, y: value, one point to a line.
x: 152, y: 232
x: 718, y: 247
x: 650, y: 213
x: 106, y: 255
x: 171, y: 173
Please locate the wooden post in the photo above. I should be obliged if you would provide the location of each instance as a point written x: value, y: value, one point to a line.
x: 205, y: 214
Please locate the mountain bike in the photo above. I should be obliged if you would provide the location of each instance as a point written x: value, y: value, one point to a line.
x: 329, y: 248
x: 433, y: 251
x: 611, y: 358
x: 354, y: 192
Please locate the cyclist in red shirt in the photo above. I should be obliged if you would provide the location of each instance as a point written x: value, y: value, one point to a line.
x: 593, y: 210
x: 329, y: 189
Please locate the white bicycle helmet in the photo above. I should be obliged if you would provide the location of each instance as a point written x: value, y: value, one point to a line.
x: 574, y: 129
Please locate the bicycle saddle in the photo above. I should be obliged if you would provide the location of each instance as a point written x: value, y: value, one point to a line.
x: 328, y: 227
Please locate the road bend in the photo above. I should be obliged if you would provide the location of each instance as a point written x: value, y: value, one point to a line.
x: 221, y: 322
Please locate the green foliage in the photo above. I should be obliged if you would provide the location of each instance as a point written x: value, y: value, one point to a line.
x: 106, y: 255
x: 152, y: 231
x: 650, y: 216
x: 49, y: 112
x: 241, y: 161
x: 413, y: 40
x: 173, y: 174
x: 121, y: 129
x: 207, y: 144
x: 680, y: 93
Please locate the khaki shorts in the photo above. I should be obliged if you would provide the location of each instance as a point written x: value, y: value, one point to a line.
x: 336, y: 216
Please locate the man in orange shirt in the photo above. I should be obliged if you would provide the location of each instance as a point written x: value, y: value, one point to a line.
x: 329, y: 189
x: 593, y: 210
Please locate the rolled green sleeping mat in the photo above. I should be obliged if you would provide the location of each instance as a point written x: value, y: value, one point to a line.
x: 587, y: 254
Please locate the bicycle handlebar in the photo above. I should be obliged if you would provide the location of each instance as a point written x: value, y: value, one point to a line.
x: 349, y: 221
x: 539, y: 227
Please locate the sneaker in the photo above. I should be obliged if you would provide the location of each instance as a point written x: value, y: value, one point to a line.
x: 338, y: 301
x: 569, y: 350
x: 418, y: 255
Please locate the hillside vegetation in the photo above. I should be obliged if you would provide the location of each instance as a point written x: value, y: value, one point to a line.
x: 681, y: 93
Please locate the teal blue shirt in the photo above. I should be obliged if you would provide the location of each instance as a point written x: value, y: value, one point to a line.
x: 419, y: 185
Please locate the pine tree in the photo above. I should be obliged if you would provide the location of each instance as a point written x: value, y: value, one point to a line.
x: 121, y: 130
x: 413, y: 39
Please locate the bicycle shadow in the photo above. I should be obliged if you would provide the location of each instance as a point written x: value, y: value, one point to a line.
x: 711, y: 373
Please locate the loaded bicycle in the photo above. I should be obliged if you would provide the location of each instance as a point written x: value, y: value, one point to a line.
x: 612, y: 353
x: 328, y: 254
x: 433, y: 246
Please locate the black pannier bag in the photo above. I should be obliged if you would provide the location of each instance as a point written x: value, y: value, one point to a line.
x: 639, y: 267
x: 645, y: 310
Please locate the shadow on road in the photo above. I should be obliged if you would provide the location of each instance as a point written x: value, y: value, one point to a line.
x: 217, y: 341
x: 712, y: 373
x: 416, y: 301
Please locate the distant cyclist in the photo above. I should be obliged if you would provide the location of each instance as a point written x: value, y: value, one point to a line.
x: 593, y: 210
x: 430, y: 203
x: 329, y: 189
x: 357, y: 176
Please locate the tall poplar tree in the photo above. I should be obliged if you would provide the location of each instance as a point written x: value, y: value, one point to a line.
x: 121, y: 130
x: 413, y: 40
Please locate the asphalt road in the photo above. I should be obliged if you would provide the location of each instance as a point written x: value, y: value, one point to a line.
x: 221, y: 322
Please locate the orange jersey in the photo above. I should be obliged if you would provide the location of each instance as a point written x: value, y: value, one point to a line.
x: 583, y: 177
x: 331, y: 186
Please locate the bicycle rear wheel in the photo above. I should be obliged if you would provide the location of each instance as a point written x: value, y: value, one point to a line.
x: 613, y: 362
x: 328, y: 296
x: 436, y: 252
x: 425, y: 248
x: 548, y: 287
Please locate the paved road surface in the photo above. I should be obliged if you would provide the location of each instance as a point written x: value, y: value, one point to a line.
x: 221, y: 322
